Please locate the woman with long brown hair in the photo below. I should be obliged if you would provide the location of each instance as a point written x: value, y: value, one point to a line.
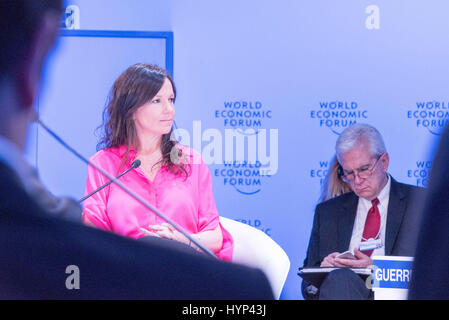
x: 138, y: 122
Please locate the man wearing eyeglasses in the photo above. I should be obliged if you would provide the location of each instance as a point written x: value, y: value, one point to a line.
x: 379, y: 217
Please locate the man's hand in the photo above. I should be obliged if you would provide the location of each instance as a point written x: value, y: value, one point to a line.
x: 362, y: 261
x: 329, y: 261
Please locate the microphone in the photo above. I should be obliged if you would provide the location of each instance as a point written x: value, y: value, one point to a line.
x: 132, y: 194
x: 136, y: 163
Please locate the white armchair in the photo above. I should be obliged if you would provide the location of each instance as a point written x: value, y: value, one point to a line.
x: 254, y: 248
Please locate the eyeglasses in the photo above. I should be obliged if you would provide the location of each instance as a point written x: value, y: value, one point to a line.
x: 362, y: 172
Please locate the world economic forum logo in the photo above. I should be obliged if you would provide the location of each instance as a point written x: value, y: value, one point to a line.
x: 246, y: 122
x: 430, y: 115
x: 244, y: 177
x: 243, y: 159
x: 243, y: 114
x: 256, y: 223
x: 338, y: 115
x: 319, y: 172
x: 419, y: 173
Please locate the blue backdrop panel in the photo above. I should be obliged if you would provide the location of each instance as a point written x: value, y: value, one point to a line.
x: 318, y: 66
x: 313, y: 67
x: 82, y: 73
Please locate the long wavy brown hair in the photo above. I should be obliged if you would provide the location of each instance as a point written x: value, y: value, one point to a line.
x: 134, y: 87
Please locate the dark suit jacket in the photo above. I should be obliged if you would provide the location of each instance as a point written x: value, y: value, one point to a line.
x: 36, y: 249
x: 334, y: 220
x: 430, y: 275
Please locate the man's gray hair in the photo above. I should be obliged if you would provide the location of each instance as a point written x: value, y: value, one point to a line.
x: 357, y: 134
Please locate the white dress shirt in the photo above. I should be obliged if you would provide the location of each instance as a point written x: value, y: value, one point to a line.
x: 363, y: 207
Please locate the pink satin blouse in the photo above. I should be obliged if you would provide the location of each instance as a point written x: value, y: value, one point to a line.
x: 188, y: 202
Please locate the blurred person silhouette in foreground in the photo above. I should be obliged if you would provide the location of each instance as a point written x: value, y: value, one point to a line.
x: 44, y: 256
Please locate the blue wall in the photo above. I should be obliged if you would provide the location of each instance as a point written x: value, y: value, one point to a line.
x: 310, y: 68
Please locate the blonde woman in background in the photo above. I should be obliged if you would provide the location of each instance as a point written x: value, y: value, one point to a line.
x: 333, y: 185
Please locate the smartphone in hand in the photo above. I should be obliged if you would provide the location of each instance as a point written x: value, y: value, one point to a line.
x: 346, y: 255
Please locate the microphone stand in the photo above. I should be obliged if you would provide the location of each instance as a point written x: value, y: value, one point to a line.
x: 134, y: 165
x: 139, y: 199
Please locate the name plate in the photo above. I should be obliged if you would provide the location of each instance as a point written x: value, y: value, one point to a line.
x: 391, y: 276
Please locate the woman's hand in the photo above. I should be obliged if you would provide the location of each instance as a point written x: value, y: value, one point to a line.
x: 212, y: 239
x: 147, y: 232
x: 166, y: 231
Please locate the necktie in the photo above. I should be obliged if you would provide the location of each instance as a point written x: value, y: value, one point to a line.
x: 372, y: 224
